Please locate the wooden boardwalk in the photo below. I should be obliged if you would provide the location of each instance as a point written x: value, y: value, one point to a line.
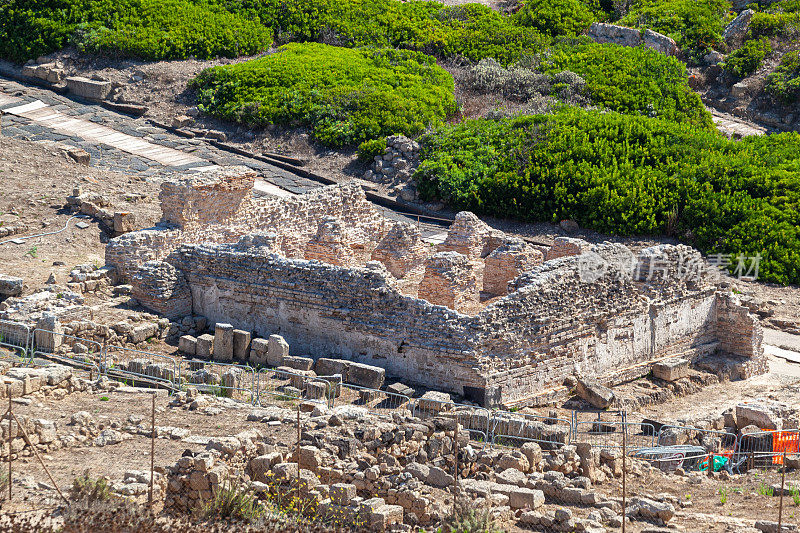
x: 43, y: 114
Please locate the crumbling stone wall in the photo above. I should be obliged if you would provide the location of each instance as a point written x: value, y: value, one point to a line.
x: 220, y: 207
x: 598, y: 311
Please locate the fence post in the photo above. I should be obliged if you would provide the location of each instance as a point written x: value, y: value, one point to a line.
x: 624, y: 476
x: 10, y: 438
x: 297, y: 447
x: 152, y: 449
x: 780, y: 502
x: 455, y: 453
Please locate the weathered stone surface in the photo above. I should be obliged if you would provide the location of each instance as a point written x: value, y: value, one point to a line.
x: 223, y: 342
x: 204, y: 346
x: 737, y: 28
x: 241, y: 344
x: 10, y: 286
x: 124, y: 222
x: 298, y: 363
x: 187, y: 345
x: 593, y: 392
x: 86, y: 88
x: 671, y: 369
x: 277, y: 349
x: 610, y: 33
x: 366, y: 375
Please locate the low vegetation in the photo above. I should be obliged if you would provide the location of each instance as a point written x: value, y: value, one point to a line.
x: 747, y: 59
x: 344, y: 95
x: 627, y: 175
x: 784, y: 82
x: 149, y: 29
x: 696, y: 25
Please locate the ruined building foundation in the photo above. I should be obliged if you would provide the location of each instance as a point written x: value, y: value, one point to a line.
x: 483, y: 314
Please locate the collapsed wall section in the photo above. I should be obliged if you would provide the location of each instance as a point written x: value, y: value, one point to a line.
x: 324, y: 310
x: 220, y: 208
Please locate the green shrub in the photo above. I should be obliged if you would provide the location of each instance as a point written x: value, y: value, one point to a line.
x: 627, y: 175
x: 172, y: 29
x: 150, y: 29
x: 368, y: 150
x: 635, y: 81
x: 473, y: 31
x: 556, y: 17
x: 344, y: 95
x: 746, y: 60
x: 784, y: 83
x: 232, y: 500
x: 695, y: 25
x: 90, y: 490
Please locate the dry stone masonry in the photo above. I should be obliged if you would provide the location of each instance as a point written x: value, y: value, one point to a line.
x: 483, y: 314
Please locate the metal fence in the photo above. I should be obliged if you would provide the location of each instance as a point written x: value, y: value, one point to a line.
x: 668, y: 447
x: 515, y: 429
x: 615, y: 434
x: 16, y: 337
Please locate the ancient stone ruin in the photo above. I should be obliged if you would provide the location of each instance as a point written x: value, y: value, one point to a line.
x: 484, y: 315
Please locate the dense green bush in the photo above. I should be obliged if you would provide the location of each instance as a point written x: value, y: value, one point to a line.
x: 627, y: 175
x: 784, y: 83
x: 556, y: 17
x: 695, y: 25
x: 629, y: 80
x: 368, y: 150
x: 471, y: 30
x: 172, y: 29
x: 150, y: 29
x: 746, y: 60
x: 345, y: 95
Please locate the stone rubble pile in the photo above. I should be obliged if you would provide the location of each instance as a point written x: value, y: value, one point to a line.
x: 396, y: 165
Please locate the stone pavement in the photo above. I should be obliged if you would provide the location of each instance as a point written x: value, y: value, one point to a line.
x: 125, y: 144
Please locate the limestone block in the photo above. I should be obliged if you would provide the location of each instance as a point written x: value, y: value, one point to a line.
x: 400, y: 388
x: 343, y: 493
x: 671, y: 369
x: 277, y: 349
x: 86, y: 88
x: 525, y: 498
x: 385, y: 517
x: 49, y: 335
x: 329, y: 367
x: 258, y: 351
x: 187, y: 345
x: 298, y: 363
x: 223, y: 342
x: 366, y: 375
x: 593, y: 392
x: 241, y: 344
x: 124, y: 222
x: 758, y: 414
x: 143, y: 332
x: 205, y: 343
x: 10, y: 286
x: 317, y: 390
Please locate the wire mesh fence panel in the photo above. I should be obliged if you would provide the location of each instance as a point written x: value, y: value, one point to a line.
x: 514, y: 429
x: 610, y: 434
x: 475, y: 420
x: 16, y: 337
x: 695, y: 443
x: 376, y: 401
x: 141, y: 368
x: 81, y: 354
x: 229, y: 380
x: 766, y: 448
x: 280, y: 387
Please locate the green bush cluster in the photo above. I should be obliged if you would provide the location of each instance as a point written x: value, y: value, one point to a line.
x: 784, y: 82
x: 344, y: 95
x: 746, y: 60
x: 556, y: 17
x: 695, y: 25
x: 368, y: 150
x: 627, y: 175
x: 149, y: 29
x: 637, y: 81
